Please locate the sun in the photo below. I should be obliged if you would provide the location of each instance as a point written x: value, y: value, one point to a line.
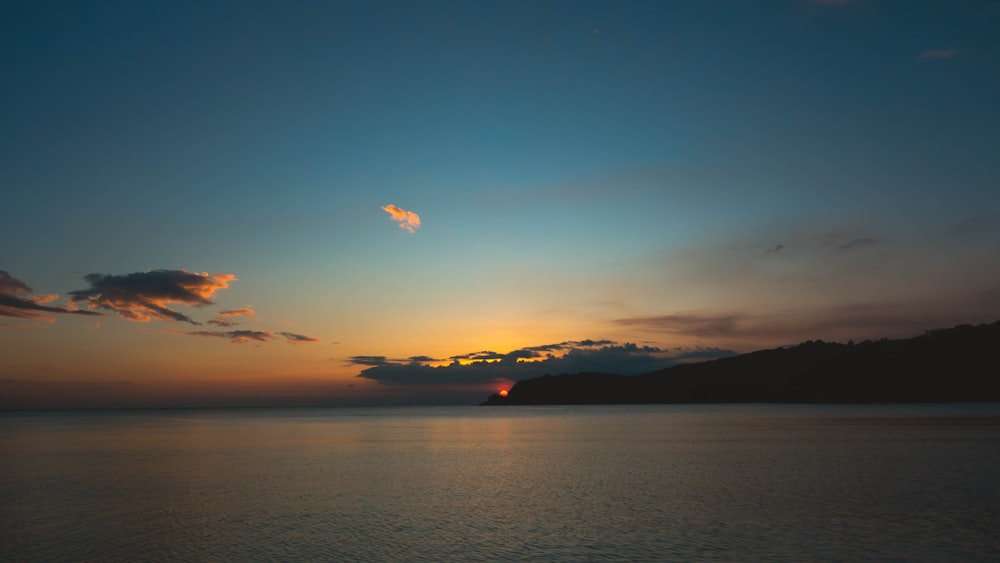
x: 503, y: 392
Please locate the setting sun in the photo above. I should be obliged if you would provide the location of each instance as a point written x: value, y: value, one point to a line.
x: 503, y: 392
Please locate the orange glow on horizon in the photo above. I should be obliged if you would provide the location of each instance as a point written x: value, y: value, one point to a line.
x: 468, y: 362
x: 503, y: 392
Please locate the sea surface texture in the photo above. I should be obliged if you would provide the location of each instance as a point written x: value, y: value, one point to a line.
x: 594, y: 483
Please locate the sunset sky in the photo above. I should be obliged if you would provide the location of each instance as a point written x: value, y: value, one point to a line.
x: 283, y: 203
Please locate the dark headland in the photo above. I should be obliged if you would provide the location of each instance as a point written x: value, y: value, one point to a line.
x: 957, y: 364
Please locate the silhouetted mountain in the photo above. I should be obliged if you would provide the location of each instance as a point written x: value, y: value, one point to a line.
x: 959, y: 364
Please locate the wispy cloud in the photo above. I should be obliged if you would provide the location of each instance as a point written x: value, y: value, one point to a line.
x: 938, y: 54
x: 368, y: 361
x: 142, y: 296
x: 231, y: 317
x: 423, y: 359
x: 234, y: 336
x: 856, y: 243
x: 9, y: 284
x: 745, y: 329
x: 982, y: 226
x: 293, y: 338
x: 17, y: 302
x: 408, y: 220
x: 694, y: 324
x: 486, y: 367
x: 824, y: 284
x: 245, y: 336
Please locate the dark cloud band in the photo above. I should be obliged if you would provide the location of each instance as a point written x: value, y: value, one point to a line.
x: 245, y: 336
x: 490, y: 367
x: 17, y: 302
x: 142, y: 296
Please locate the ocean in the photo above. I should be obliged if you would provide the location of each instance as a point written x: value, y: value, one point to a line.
x: 567, y: 483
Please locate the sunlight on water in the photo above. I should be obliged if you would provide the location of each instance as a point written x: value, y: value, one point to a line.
x: 518, y: 483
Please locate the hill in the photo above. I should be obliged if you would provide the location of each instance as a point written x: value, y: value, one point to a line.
x: 959, y: 364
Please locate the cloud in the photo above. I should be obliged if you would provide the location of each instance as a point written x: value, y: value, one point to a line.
x: 227, y: 318
x: 589, y: 343
x: 493, y: 368
x: 368, y: 360
x: 938, y: 54
x: 234, y: 336
x: 408, y: 220
x: 142, y: 296
x: 694, y: 324
x: 858, y: 242
x: 244, y: 336
x: 16, y: 301
x: 775, y: 249
x: 529, y: 352
x: 423, y: 359
x: 790, y: 326
x: 9, y: 284
x: 482, y: 355
x: 983, y: 226
x: 839, y: 282
x: 293, y: 338
x: 751, y: 330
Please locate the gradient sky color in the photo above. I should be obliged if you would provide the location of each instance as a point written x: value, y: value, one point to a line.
x: 243, y: 203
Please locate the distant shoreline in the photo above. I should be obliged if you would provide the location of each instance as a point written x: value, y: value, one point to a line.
x: 954, y: 365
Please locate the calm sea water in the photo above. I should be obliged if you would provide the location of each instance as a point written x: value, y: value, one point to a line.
x: 643, y: 483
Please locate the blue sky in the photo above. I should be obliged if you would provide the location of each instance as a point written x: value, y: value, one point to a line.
x: 681, y: 175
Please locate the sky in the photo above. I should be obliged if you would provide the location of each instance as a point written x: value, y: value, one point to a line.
x: 364, y: 203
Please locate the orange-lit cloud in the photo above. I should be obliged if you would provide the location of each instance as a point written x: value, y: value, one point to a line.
x: 44, y: 298
x: 408, y: 220
x: 939, y: 54
x: 16, y: 302
x: 229, y: 318
x: 142, y: 296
